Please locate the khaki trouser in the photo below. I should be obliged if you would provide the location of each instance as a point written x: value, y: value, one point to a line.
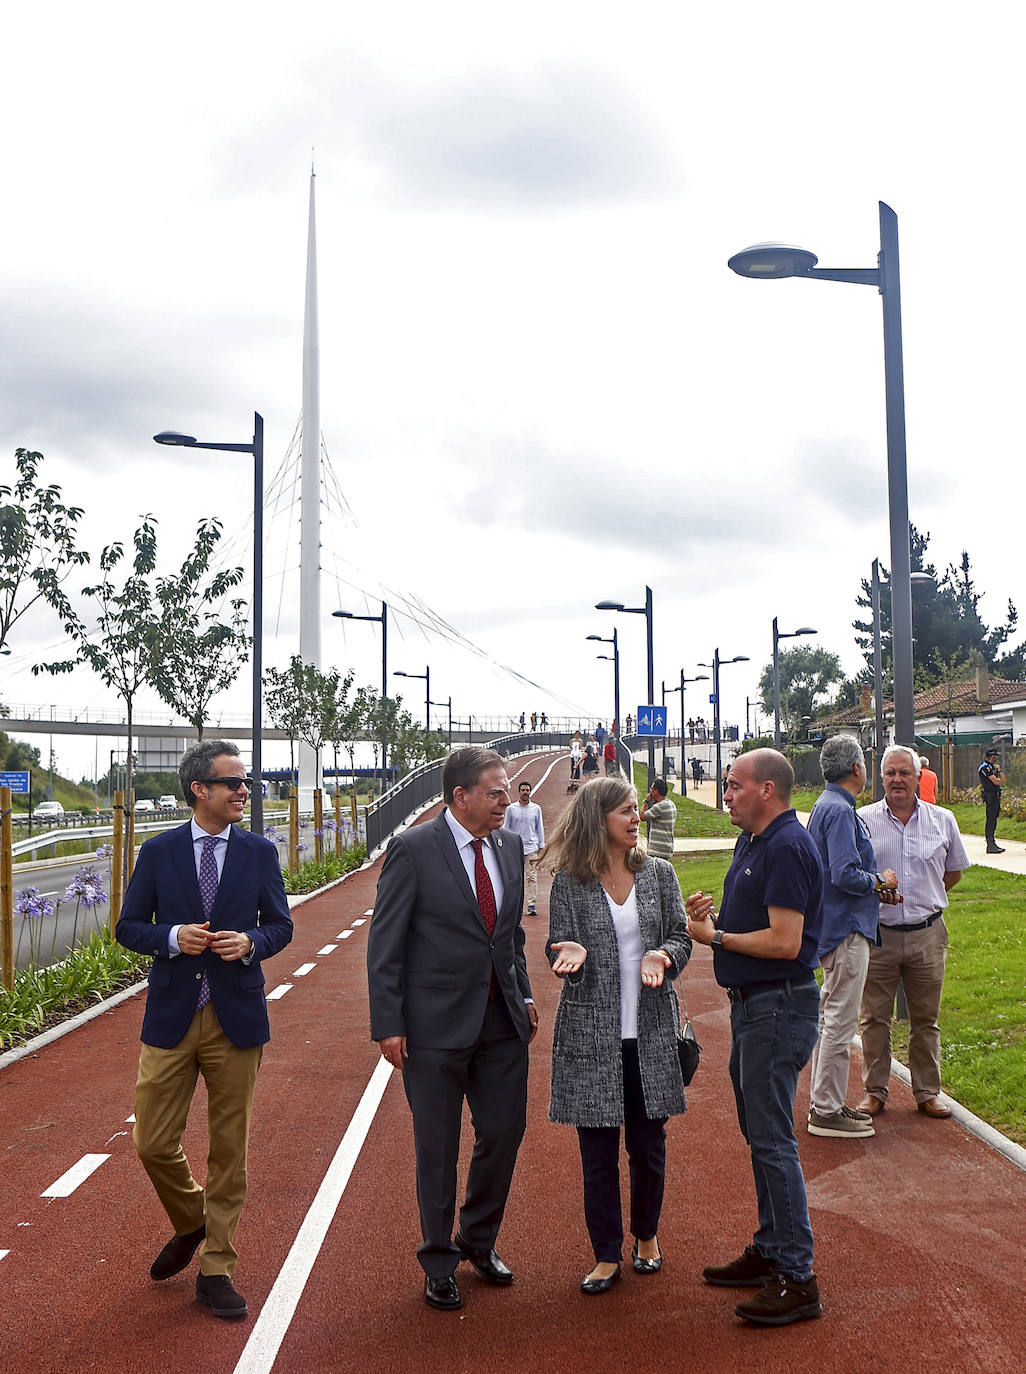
x: 531, y: 879
x: 163, y: 1095
x: 917, y: 960
x: 844, y: 976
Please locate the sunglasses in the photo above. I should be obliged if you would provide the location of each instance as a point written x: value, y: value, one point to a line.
x: 232, y: 784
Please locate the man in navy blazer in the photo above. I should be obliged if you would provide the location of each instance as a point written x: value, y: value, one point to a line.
x: 208, y: 902
x: 451, y: 1007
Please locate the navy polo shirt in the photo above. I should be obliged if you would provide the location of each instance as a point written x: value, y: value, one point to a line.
x: 779, y: 867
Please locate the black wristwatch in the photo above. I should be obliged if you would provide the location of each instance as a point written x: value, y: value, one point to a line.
x: 717, y: 940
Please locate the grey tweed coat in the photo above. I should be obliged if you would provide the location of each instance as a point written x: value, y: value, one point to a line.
x: 587, y: 1066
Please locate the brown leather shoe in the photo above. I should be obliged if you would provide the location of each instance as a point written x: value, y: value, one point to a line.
x: 933, y: 1106
x: 872, y: 1105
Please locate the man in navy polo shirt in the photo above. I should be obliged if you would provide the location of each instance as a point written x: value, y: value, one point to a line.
x: 765, y: 940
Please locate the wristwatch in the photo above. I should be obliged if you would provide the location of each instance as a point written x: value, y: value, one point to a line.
x: 717, y: 940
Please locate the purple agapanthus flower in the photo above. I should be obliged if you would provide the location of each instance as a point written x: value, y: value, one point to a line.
x: 105, y: 851
x: 32, y: 906
x: 86, y: 887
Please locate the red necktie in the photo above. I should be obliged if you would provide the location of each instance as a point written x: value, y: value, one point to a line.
x: 485, y: 891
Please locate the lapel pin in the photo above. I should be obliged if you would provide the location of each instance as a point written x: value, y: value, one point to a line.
x: 498, y: 841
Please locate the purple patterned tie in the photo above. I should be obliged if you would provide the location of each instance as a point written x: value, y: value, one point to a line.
x: 208, y: 891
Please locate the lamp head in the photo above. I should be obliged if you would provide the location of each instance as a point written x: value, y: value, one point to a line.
x: 772, y: 260
x: 171, y: 436
x: 609, y: 605
x: 806, y: 630
x: 342, y: 615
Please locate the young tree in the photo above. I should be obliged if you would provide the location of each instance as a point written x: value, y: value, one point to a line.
x: 343, y: 718
x: 806, y: 673
x: 37, y: 543
x: 286, y: 702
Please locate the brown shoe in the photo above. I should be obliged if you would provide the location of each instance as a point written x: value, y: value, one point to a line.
x: 749, y: 1270
x: 872, y: 1105
x: 781, y: 1301
x: 933, y: 1106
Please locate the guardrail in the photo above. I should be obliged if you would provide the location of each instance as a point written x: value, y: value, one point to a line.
x: 99, y: 831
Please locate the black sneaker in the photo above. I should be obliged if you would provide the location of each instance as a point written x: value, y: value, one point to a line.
x: 750, y: 1270
x: 782, y: 1301
x: 216, y: 1292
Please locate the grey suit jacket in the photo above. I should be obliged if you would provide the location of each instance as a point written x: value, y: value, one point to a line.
x: 587, y: 1064
x: 429, y: 957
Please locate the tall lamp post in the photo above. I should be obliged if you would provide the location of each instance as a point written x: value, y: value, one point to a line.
x: 256, y: 448
x: 702, y: 677
x: 382, y: 620
x: 425, y: 677
x: 875, y: 583
x: 716, y: 665
x: 772, y: 260
x: 615, y: 656
x: 778, y: 635
x: 448, y: 704
x: 646, y: 611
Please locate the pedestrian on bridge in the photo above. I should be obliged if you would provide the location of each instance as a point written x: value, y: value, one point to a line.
x: 207, y: 901
x: 617, y: 938
x: 525, y: 818
x: 451, y: 1009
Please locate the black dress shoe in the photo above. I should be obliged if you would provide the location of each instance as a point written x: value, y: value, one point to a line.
x: 216, y: 1292
x: 645, y: 1266
x: 486, y: 1262
x: 442, y: 1293
x: 176, y: 1254
x: 995, y: 849
x: 594, y: 1286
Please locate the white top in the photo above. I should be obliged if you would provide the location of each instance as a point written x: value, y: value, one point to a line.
x: 464, y: 840
x: 920, y: 852
x: 526, y: 821
x: 628, y: 944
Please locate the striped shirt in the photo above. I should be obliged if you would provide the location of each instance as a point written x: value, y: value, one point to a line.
x: 920, y: 853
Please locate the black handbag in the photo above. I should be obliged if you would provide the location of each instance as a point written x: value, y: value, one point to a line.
x: 688, y: 1050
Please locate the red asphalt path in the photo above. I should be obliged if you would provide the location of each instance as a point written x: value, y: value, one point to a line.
x: 920, y: 1231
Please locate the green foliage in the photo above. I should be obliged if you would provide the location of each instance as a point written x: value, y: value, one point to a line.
x: 310, y: 876
x: 45, y: 996
x: 38, y: 547
x: 807, y: 672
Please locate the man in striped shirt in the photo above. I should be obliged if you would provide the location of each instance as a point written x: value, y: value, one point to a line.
x: 661, y: 815
x: 922, y: 845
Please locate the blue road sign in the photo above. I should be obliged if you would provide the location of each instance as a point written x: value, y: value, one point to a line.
x: 17, y: 782
x: 712, y: 698
x: 651, y: 720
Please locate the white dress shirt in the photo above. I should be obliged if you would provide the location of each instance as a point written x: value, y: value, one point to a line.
x: 464, y: 840
x: 920, y: 852
x: 198, y: 836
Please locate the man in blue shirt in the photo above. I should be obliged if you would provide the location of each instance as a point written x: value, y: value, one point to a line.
x: 991, y: 782
x: 852, y: 893
x: 765, y: 941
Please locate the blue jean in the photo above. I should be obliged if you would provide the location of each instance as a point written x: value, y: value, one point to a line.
x: 773, y: 1034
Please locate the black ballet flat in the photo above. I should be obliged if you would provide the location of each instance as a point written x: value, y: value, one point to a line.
x: 595, y: 1286
x: 645, y: 1266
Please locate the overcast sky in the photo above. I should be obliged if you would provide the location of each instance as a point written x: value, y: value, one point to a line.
x: 541, y: 385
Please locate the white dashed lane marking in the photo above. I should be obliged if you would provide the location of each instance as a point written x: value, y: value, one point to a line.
x: 279, y: 992
x: 4, y: 1254
x: 370, y: 912
x: 328, y: 949
x: 343, y: 935
x: 78, y: 1173
x: 358, y: 922
x: 303, y: 970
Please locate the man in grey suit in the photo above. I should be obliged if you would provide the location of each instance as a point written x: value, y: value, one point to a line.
x: 451, y: 1007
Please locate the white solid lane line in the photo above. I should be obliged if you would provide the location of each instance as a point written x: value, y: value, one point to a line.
x: 328, y: 949
x: 78, y: 1173
x: 303, y: 970
x: 278, y: 1310
x: 279, y: 992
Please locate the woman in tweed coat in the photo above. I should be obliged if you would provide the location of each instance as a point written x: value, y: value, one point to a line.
x: 617, y: 937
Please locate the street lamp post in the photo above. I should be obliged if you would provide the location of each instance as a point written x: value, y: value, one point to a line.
x: 425, y: 677
x: 615, y: 656
x: 875, y: 584
x: 716, y: 665
x: 702, y: 677
x: 382, y: 620
x: 646, y: 611
x: 256, y: 448
x: 778, y: 635
x: 771, y: 260
x: 449, y: 705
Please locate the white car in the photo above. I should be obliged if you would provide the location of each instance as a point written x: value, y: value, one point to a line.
x: 47, y: 811
x: 144, y: 805
x: 167, y: 803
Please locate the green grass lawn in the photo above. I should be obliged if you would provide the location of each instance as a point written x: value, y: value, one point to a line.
x: 983, y: 1010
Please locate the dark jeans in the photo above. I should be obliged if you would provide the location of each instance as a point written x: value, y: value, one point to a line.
x: 992, y: 801
x: 600, y: 1159
x: 773, y: 1034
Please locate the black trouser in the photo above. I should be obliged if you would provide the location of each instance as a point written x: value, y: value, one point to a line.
x: 992, y: 801
x: 600, y: 1159
x: 491, y: 1075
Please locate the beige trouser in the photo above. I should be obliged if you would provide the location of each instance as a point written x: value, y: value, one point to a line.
x: 531, y: 879
x: 163, y: 1095
x: 844, y: 976
x: 917, y: 960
